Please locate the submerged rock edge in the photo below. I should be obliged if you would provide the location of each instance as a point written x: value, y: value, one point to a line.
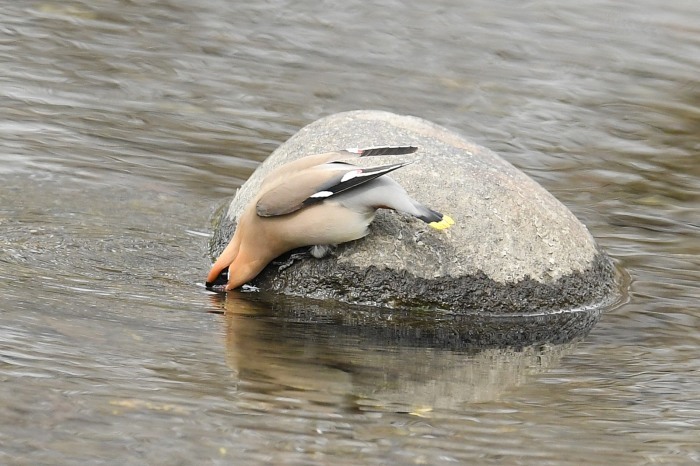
x: 409, y: 328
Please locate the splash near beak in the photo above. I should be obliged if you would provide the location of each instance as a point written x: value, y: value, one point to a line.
x: 443, y: 224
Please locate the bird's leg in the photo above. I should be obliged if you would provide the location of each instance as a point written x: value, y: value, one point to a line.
x: 318, y: 251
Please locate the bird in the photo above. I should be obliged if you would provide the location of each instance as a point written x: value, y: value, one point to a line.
x: 318, y: 201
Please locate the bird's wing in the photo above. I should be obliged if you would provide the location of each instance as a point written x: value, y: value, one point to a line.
x: 316, y: 184
x: 335, y: 156
x: 383, y: 150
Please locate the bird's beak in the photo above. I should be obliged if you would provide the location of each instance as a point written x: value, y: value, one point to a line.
x: 219, y: 282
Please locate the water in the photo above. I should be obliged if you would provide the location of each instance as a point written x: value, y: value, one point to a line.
x: 124, y: 125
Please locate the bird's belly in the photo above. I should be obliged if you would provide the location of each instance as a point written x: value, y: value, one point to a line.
x: 326, y: 223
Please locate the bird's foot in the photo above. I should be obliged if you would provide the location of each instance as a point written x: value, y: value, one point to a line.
x: 297, y: 256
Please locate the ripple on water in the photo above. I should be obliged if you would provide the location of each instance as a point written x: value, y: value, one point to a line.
x: 123, y: 125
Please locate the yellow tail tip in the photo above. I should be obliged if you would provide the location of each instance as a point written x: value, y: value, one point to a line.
x: 443, y: 224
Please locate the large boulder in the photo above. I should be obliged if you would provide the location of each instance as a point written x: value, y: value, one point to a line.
x: 514, y: 250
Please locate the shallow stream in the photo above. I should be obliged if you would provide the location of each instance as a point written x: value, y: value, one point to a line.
x: 125, y: 124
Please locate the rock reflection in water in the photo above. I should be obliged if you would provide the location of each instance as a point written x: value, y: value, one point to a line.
x: 299, y: 351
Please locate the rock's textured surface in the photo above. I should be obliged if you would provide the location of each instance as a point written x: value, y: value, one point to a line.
x: 514, y: 249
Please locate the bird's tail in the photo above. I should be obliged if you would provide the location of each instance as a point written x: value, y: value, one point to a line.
x: 434, y: 219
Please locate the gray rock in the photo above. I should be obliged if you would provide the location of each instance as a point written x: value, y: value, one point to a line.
x: 514, y: 249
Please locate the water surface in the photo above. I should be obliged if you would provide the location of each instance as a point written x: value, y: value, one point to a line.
x: 124, y: 125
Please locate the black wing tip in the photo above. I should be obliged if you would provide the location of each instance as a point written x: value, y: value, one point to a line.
x: 384, y: 150
x: 359, y: 178
x: 370, y: 173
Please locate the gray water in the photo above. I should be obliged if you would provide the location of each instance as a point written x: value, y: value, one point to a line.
x: 125, y: 124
